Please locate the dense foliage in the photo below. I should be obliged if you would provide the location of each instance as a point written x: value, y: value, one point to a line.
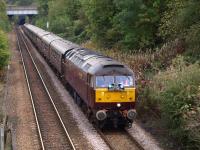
x: 20, y: 2
x: 182, y: 20
x: 4, y: 26
x: 3, y: 49
x: 126, y: 24
x: 109, y: 23
x: 177, y: 94
x: 3, y: 16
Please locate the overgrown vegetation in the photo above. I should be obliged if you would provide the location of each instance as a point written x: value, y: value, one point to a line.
x: 182, y: 20
x: 4, y: 54
x: 176, y: 93
x: 20, y: 2
x: 114, y: 23
x: 4, y: 26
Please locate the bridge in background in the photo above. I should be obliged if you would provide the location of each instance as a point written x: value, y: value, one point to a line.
x: 21, y: 12
x: 17, y: 10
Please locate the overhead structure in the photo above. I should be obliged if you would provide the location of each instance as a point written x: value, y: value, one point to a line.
x: 22, y: 12
x: 18, y: 10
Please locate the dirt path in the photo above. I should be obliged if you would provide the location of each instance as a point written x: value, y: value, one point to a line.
x: 18, y: 104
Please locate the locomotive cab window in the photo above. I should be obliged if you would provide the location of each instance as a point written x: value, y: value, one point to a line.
x: 109, y: 81
x: 124, y: 80
x: 104, y: 81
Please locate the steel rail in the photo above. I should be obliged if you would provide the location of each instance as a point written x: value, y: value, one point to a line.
x: 30, y: 93
x: 111, y: 146
x: 105, y: 139
x: 49, y: 95
x: 134, y: 140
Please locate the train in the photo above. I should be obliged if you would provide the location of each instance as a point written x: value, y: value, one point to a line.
x: 102, y: 86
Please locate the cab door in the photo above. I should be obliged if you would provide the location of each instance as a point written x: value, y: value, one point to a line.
x: 90, y: 89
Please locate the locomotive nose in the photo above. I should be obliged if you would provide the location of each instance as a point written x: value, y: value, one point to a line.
x: 131, y: 114
x: 101, y: 115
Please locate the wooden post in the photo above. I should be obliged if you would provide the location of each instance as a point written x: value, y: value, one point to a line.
x: 1, y: 138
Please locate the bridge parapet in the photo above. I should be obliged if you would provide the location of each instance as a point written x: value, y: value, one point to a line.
x: 20, y: 10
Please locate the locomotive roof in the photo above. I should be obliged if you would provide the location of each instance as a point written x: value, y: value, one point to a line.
x: 93, y: 62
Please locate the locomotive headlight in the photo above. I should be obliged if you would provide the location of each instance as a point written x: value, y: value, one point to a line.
x: 118, y: 105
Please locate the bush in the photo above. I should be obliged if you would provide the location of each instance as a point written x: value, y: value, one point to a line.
x: 177, y: 94
x: 193, y: 43
x: 4, y: 55
x: 3, y: 17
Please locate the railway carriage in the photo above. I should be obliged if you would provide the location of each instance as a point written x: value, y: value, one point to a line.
x: 46, y: 46
x: 103, y: 86
x: 36, y: 34
x: 57, y: 51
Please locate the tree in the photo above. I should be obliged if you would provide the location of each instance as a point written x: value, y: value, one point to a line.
x: 41, y: 20
x: 136, y: 20
x: 4, y: 25
x: 24, y: 2
x: 67, y: 19
x: 99, y: 15
x: 182, y: 20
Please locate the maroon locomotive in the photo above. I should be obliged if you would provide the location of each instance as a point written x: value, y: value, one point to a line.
x: 103, y: 87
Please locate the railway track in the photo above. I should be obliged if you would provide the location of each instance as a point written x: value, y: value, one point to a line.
x: 119, y: 139
x: 52, y: 132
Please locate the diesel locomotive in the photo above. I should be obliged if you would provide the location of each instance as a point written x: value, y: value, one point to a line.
x: 102, y: 86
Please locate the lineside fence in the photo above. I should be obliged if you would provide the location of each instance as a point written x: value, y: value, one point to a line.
x: 1, y: 137
x: 5, y: 136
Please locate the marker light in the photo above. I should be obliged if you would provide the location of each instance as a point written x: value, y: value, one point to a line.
x: 118, y: 105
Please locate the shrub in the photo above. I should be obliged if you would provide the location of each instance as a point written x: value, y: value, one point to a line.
x: 4, y: 24
x: 177, y: 94
x: 4, y: 55
x: 193, y: 43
